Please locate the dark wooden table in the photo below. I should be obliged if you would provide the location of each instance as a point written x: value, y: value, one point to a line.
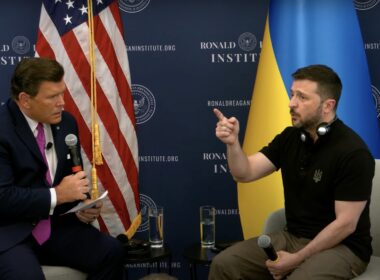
x: 195, y: 254
x: 151, y: 256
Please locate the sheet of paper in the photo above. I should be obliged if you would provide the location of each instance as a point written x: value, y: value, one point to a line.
x: 87, y: 204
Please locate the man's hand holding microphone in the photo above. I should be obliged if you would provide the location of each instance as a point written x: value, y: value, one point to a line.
x: 279, y: 263
x: 76, y: 186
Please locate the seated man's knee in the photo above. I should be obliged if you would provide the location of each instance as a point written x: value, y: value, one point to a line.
x: 223, y: 262
x: 116, y: 249
x: 222, y: 259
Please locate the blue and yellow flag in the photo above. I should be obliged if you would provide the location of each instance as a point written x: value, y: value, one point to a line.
x: 299, y: 33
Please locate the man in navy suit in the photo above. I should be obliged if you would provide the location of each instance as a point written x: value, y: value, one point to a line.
x: 27, y: 197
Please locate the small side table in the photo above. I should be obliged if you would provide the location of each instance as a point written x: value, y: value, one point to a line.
x: 196, y: 255
x: 153, y: 256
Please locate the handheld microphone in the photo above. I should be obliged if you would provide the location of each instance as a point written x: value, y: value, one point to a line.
x: 49, y: 145
x: 265, y: 243
x: 71, y: 141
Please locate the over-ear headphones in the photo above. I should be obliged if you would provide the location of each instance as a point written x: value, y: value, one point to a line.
x: 322, y: 129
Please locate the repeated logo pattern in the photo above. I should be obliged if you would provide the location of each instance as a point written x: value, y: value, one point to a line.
x: 144, y: 103
x: 133, y: 6
x: 146, y: 202
x: 20, y: 45
x: 365, y: 4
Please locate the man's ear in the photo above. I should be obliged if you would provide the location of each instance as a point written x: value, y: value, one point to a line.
x: 23, y: 100
x: 329, y: 105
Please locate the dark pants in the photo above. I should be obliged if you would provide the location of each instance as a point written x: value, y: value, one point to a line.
x: 72, y: 243
x: 246, y: 260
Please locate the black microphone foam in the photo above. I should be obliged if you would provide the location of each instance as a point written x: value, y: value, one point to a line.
x: 71, y: 141
x: 265, y: 243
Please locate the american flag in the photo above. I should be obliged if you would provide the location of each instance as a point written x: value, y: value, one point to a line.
x: 64, y: 35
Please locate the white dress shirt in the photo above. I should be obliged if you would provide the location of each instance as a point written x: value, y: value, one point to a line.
x: 50, y: 154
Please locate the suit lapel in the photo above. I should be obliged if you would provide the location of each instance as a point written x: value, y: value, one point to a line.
x: 24, y: 132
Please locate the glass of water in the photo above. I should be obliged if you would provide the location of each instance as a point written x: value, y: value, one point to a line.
x: 207, y: 224
x: 156, y: 226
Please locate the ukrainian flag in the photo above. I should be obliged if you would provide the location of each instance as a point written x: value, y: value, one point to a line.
x: 299, y: 33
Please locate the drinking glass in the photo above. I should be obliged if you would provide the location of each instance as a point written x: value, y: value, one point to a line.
x: 156, y: 226
x: 207, y: 225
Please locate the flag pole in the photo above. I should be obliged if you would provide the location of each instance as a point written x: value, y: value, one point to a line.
x: 96, y: 151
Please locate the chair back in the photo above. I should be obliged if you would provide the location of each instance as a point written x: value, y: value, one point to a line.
x: 375, y: 210
x: 275, y: 222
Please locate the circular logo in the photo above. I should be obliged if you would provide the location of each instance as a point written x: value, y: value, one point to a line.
x: 133, y: 6
x: 365, y: 4
x: 376, y: 97
x: 247, y: 41
x: 144, y: 103
x: 20, y: 45
x: 145, y: 203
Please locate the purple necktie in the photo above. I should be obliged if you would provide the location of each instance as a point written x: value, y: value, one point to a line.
x: 41, y: 231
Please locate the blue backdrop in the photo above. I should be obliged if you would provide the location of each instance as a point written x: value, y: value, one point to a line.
x: 186, y: 57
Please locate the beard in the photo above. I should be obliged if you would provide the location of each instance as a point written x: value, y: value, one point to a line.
x: 310, y: 123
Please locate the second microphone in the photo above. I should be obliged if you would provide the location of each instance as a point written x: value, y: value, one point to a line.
x: 265, y: 243
x: 71, y: 141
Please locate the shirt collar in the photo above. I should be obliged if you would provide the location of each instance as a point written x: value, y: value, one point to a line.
x: 32, y: 124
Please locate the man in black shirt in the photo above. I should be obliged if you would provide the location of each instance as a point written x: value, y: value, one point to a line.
x: 327, y: 173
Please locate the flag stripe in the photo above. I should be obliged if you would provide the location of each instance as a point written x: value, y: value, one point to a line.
x: 110, y: 218
x: 114, y: 9
x: 109, y: 55
x: 118, y: 40
x: 43, y: 47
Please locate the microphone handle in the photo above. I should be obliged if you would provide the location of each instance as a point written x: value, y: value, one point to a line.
x: 77, y: 164
x: 271, y: 253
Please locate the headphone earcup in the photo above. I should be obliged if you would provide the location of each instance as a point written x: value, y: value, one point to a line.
x: 303, y: 137
x: 323, y: 129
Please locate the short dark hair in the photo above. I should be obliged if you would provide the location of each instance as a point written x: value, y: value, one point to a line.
x: 329, y: 83
x: 31, y: 72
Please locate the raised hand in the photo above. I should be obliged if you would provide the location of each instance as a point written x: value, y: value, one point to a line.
x: 227, y: 130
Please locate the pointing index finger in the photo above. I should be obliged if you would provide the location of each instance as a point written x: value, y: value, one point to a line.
x: 219, y: 114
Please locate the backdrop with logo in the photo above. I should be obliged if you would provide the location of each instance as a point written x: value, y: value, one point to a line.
x: 186, y: 57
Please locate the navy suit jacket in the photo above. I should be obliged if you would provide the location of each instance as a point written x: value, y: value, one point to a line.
x: 24, y: 194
